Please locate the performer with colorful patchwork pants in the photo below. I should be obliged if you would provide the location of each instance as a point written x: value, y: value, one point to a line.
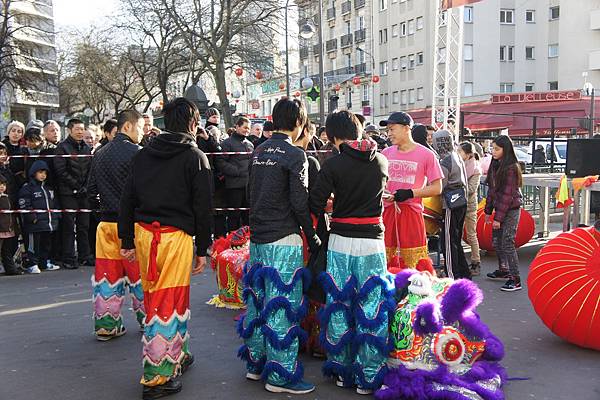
x: 113, y: 274
x: 275, y: 275
x: 166, y: 201
x: 354, y: 323
x: 415, y: 173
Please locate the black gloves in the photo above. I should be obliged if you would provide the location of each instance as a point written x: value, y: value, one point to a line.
x: 314, y: 243
x: 403, y: 194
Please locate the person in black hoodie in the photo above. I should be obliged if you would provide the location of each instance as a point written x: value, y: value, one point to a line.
x: 278, y: 210
x: 166, y: 201
x: 356, y: 281
x: 113, y: 274
x: 37, y: 227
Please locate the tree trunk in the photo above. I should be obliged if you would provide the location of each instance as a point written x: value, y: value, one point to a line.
x: 219, y: 75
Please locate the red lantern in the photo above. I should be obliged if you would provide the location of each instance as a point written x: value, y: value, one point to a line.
x: 281, y: 86
x: 258, y: 75
x: 297, y: 94
x: 376, y: 78
x: 356, y: 80
x: 525, y: 230
x: 564, y: 286
x: 239, y: 71
x: 337, y: 87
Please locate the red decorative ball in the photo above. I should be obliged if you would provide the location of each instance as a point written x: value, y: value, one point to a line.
x: 297, y: 94
x: 525, y: 230
x: 337, y: 87
x: 282, y: 86
x: 356, y: 80
x: 259, y: 75
x: 564, y: 286
x: 239, y: 71
x: 376, y: 79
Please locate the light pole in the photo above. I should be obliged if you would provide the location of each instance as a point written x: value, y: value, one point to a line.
x: 287, y: 56
x: 372, y: 102
x: 307, y: 31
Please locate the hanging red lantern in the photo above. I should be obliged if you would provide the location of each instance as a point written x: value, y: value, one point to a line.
x: 356, y: 80
x: 297, y: 94
x: 239, y: 71
x: 337, y: 87
x: 259, y: 75
x: 376, y: 78
x: 281, y: 86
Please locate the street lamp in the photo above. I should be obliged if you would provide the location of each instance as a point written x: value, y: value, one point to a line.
x: 307, y: 31
x: 372, y: 102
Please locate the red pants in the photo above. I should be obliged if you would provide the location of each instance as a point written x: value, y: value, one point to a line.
x: 405, y: 237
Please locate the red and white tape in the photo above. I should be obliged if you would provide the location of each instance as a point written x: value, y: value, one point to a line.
x: 87, y: 210
x: 218, y: 153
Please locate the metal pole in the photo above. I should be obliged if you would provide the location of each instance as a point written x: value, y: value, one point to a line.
x: 321, y: 67
x: 287, y: 55
x: 533, y: 145
x: 461, y: 125
x: 552, y: 155
x: 592, y: 113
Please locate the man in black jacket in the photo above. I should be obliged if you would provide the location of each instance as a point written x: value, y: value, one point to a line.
x: 356, y: 279
x: 278, y: 209
x: 235, y: 169
x: 167, y: 199
x: 113, y: 274
x: 71, y: 176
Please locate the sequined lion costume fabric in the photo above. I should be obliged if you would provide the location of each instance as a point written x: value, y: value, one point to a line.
x: 442, y: 350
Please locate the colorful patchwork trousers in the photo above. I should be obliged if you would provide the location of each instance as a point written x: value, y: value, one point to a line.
x: 165, y: 255
x: 355, y: 320
x: 112, y: 276
x: 274, y: 279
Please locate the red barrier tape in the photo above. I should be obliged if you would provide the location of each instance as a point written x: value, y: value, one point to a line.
x: 220, y: 153
x: 87, y: 210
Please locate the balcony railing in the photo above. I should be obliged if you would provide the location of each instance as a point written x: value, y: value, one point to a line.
x: 360, y: 35
x: 331, y: 45
x: 330, y: 14
x: 346, y: 40
x: 359, y: 3
x: 346, y: 7
x: 360, y: 68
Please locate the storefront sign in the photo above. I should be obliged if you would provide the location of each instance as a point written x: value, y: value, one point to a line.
x: 535, y: 97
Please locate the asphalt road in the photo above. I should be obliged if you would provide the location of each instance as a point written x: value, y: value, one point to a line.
x: 48, y: 351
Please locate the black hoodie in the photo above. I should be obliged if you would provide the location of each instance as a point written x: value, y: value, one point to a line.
x: 170, y: 182
x: 357, y: 178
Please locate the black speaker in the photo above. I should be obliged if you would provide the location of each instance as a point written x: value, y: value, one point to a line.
x: 583, y: 157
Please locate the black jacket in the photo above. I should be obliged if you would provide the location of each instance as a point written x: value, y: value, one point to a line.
x: 279, y: 191
x: 36, y: 195
x: 17, y: 165
x: 108, y: 174
x: 72, y: 173
x: 12, y: 187
x: 357, y: 179
x: 235, y: 167
x: 170, y: 182
x: 7, y: 221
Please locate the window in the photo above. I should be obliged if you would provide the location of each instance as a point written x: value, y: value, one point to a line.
x: 468, y: 15
x: 403, y: 29
x: 411, y: 27
x: 420, y: 94
x: 411, y: 61
x: 387, y: 100
x: 383, y: 5
x: 530, y: 16
x: 468, y: 52
x: 360, y: 56
x: 365, y: 92
x: 553, y: 85
x: 468, y: 89
x: 507, y: 53
x: 506, y: 87
x: 507, y: 16
x: 348, y: 28
x: 394, y: 64
x: 349, y: 61
x: 419, y: 23
x: 360, y: 22
x: 383, y: 68
x: 554, y: 13
x: 403, y: 98
x: 529, y: 87
x: 530, y: 53
x: 420, y: 58
x: 381, y: 100
x: 385, y: 37
x: 552, y: 50
x: 411, y: 96
x: 403, y: 63
x: 395, y: 97
x: 394, y: 30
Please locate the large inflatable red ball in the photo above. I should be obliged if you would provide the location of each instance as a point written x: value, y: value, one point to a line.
x: 525, y: 230
x: 564, y: 286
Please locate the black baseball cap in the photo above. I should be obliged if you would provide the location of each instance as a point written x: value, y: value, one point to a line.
x: 398, y: 117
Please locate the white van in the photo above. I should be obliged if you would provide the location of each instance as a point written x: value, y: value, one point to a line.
x: 559, y: 152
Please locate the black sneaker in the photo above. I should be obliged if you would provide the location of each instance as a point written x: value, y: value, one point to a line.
x: 70, y: 266
x: 156, y: 392
x: 13, y: 272
x: 88, y: 262
x: 187, y: 362
x: 475, y: 269
x: 498, y: 275
x: 512, y: 285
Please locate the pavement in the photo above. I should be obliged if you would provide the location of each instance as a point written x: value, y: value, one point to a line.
x: 48, y: 351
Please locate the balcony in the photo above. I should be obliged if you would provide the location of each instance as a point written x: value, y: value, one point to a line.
x: 360, y: 68
x: 346, y: 7
x: 346, y: 41
x: 331, y: 45
x: 330, y: 14
x: 303, y: 52
x: 360, y: 35
x: 359, y: 3
x: 364, y: 103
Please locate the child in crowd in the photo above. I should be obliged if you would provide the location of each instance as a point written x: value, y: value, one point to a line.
x: 504, y: 196
x: 471, y: 159
x: 7, y: 225
x: 9, y: 243
x: 37, y: 227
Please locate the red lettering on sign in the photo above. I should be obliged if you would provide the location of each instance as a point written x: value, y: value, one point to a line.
x: 535, y: 97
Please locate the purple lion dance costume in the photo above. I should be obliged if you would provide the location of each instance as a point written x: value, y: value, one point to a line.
x: 442, y: 350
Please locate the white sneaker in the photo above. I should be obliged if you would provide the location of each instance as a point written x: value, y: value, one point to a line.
x: 363, y: 391
x: 34, y: 269
x: 52, y: 267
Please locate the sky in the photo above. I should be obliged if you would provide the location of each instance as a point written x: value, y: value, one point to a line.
x: 80, y: 13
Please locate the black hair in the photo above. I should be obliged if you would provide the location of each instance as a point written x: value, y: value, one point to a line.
x: 419, y: 134
x: 74, y: 121
x: 342, y: 125
x: 132, y: 116
x: 469, y: 149
x: 241, y: 121
x: 3, y: 147
x: 430, y: 128
x: 179, y: 115
x: 288, y: 114
x: 361, y: 119
x: 3, y: 180
x: 508, y: 161
x: 33, y: 134
x: 109, y: 125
